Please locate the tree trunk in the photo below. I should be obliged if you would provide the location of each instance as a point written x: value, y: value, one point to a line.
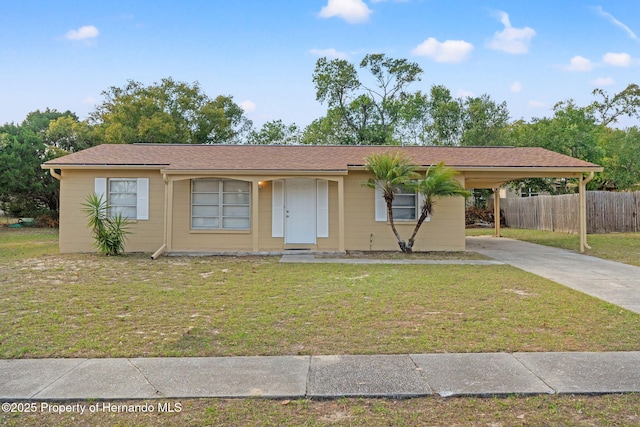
x: 401, y: 243
x: 423, y: 215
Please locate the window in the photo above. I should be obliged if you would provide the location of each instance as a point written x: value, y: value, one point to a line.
x: 126, y: 196
x: 219, y: 204
x: 406, y: 206
x: 123, y: 197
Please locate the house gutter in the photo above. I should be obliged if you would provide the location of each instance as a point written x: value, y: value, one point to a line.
x: 55, y: 174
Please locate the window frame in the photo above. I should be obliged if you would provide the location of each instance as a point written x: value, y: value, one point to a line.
x: 381, y: 207
x: 221, y: 206
x: 113, y: 206
x: 403, y: 193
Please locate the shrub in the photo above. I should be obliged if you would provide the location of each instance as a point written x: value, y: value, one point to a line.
x: 109, y: 233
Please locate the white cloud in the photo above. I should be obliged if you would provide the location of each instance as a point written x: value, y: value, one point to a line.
x: 90, y: 100
x: 329, y: 53
x: 511, y: 40
x: 82, y: 33
x: 516, y: 87
x: 352, y: 11
x: 578, y: 63
x: 451, y: 51
x: 248, y: 106
x: 537, y: 104
x: 617, y: 59
x: 603, y: 81
x: 462, y: 93
x: 617, y: 23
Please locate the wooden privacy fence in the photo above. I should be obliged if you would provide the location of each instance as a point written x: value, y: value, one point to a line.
x: 606, y: 212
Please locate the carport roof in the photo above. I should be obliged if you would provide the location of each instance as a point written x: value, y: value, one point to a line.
x: 278, y: 158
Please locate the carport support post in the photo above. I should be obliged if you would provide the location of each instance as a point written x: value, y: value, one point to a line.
x: 582, y: 198
x: 496, y: 211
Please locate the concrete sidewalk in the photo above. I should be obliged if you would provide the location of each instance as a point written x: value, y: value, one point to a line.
x: 610, y: 281
x: 291, y: 377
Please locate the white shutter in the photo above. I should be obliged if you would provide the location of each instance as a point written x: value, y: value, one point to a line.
x: 100, y: 188
x: 322, y: 208
x: 420, y: 203
x: 142, y: 208
x: 381, y: 206
x: 277, y: 209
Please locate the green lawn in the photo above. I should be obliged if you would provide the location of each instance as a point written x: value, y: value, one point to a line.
x: 563, y: 410
x: 91, y: 306
x: 95, y: 306
x: 621, y: 247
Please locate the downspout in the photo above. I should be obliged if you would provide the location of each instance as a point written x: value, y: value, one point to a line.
x: 163, y: 248
x: 583, y: 211
x: 496, y: 211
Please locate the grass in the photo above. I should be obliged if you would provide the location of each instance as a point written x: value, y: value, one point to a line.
x: 129, y: 306
x: 27, y: 243
x: 621, y: 247
x: 610, y: 410
x: 55, y: 305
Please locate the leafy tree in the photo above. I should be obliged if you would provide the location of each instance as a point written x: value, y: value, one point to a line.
x: 440, y: 119
x: 168, y: 112
x: 276, y: 132
x: 446, y: 117
x: 621, y: 159
x: 415, y: 123
x: 623, y: 103
x: 25, y: 188
x: 572, y: 131
x: 370, y: 113
x: 328, y: 130
x: 67, y: 134
x: 484, y: 122
x: 392, y: 172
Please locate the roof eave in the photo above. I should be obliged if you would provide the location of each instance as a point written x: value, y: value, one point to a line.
x: 99, y: 166
x: 170, y: 171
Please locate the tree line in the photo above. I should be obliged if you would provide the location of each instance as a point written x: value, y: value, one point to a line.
x: 370, y: 103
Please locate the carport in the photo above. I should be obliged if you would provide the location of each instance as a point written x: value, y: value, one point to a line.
x: 495, y: 177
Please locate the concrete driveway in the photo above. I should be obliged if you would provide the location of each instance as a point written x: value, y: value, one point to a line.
x: 611, y: 281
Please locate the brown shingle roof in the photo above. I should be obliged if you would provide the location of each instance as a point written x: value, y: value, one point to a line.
x: 306, y: 158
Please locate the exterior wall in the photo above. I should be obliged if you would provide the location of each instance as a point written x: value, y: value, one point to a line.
x: 187, y: 240
x: 76, y: 185
x: 269, y: 243
x: 444, y: 232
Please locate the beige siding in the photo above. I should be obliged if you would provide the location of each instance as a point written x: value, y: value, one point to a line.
x: 445, y: 231
x: 76, y: 185
x: 331, y: 243
x: 184, y: 239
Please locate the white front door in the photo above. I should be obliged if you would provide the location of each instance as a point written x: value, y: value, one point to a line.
x: 300, y: 211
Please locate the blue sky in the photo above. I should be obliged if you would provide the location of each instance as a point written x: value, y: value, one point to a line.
x: 529, y: 53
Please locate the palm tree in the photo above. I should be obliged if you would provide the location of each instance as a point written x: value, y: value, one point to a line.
x: 390, y: 173
x: 438, y: 182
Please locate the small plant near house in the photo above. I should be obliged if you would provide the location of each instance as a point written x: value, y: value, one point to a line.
x: 109, y: 232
